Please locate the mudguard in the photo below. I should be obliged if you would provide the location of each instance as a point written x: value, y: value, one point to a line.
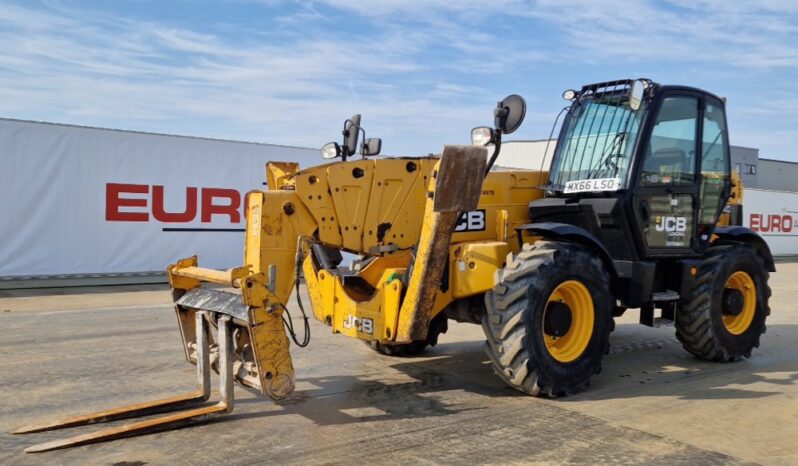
x: 747, y: 235
x: 566, y: 232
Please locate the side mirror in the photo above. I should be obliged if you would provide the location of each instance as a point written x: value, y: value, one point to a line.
x: 351, y: 133
x: 636, y: 94
x: 331, y: 150
x: 509, y: 113
x: 482, y: 136
x: 371, y: 146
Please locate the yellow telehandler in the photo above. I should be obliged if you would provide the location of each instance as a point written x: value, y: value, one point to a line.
x: 639, y: 210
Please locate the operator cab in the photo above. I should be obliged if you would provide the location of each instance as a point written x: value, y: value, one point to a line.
x: 639, y: 178
x: 642, y: 167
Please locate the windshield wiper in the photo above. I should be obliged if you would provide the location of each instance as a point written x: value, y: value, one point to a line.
x: 711, y: 146
x: 608, y: 154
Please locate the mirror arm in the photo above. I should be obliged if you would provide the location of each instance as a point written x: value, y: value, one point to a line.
x: 344, y: 147
x: 360, y: 128
x: 497, y: 148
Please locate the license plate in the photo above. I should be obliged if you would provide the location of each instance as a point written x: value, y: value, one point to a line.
x: 599, y: 184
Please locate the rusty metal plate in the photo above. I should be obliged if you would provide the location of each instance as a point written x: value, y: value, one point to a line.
x: 459, y: 181
x: 216, y: 301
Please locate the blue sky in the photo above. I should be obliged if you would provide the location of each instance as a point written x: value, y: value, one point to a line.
x: 421, y: 73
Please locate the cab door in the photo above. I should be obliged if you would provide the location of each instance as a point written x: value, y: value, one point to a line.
x: 666, y: 194
x: 715, y: 176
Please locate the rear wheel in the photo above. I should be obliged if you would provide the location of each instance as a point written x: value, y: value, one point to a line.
x: 724, y: 315
x: 548, y: 319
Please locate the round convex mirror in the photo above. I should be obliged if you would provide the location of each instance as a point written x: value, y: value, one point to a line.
x: 636, y: 94
x: 510, y: 113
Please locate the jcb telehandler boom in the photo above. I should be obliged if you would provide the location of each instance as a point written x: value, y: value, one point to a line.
x: 629, y: 216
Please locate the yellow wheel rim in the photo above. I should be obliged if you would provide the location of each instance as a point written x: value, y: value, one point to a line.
x: 743, y: 283
x: 573, y: 343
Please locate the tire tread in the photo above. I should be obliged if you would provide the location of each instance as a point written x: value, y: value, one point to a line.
x: 694, y: 328
x: 504, y: 322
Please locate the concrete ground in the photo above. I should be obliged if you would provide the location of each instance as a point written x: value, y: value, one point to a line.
x: 66, y: 352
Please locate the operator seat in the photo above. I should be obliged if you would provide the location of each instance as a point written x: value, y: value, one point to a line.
x: 669, y: 161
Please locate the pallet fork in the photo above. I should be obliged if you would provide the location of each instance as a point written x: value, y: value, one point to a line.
x: 192, y: 399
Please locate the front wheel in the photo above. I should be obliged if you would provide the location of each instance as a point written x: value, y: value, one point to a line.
x: 548, y: 318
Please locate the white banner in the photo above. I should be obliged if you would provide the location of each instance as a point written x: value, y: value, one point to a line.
x: 774, y: 215
x: 81, y: 200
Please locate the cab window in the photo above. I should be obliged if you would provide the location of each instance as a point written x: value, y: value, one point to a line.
x: 714, y: 162
x: 670, y: 155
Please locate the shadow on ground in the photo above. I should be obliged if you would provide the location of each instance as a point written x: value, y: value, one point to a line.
x: 655, y: 367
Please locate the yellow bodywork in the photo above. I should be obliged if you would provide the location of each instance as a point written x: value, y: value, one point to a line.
x: 404, y: 217
x: 473, y: 257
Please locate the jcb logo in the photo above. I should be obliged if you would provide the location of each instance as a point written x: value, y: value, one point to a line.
x: 471, y: 221
x: 672, y: 224
x: 364, y: 325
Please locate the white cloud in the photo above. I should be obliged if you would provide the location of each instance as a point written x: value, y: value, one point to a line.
x: 750, y: 34
x: 391, y: 8
x: 421, y: 74
x: 85, y: 68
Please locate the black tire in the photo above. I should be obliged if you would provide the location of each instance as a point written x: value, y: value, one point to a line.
x: 699, y: 320
x: 438, y: 325
x: 514, y: 326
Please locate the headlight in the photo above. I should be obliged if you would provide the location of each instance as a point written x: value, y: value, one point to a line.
x: 569, y: 95
x: 481, y: 136
x: 331, y: 150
